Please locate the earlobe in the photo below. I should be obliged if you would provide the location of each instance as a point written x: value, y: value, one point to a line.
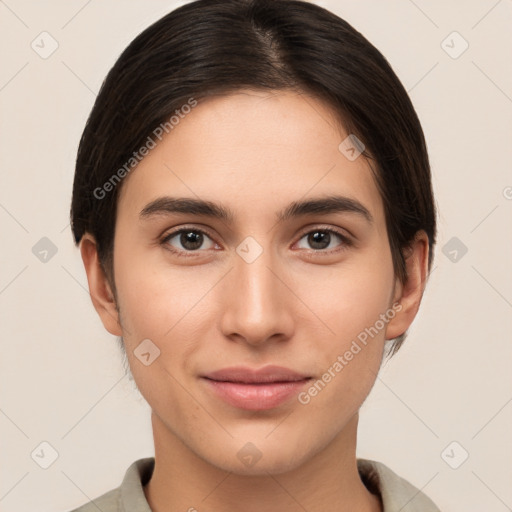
x: 409, y: 294
x: 99, y: 287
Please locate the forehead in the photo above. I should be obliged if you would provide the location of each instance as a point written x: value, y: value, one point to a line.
x: 253, y: 148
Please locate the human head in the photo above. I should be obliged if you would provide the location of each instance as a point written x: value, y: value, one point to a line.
x: 268, y: 45
x: 296, y: 60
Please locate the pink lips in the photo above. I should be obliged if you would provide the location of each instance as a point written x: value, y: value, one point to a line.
x: 256, y: 390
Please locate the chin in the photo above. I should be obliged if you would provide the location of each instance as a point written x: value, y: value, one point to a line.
x: 257, y: 458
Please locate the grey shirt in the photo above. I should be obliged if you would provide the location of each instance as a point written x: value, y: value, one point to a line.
x: 396, y: 493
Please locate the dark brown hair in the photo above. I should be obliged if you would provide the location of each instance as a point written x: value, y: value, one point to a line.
x: 206, y: 48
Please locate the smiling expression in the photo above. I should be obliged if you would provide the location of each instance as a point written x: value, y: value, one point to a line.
x: 246, y: 238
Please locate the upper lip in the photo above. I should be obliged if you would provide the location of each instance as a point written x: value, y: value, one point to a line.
x: 244, y: 374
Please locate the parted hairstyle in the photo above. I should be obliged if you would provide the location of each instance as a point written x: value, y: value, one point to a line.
x: 217, y: 47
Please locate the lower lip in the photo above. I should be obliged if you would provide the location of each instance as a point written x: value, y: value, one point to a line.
x: 256, y: 397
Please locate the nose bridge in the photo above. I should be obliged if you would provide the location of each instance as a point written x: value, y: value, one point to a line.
x: 257, y: 307
x: 258, y: 286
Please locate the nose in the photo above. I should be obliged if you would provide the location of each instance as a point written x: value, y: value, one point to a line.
x: 258, y: 305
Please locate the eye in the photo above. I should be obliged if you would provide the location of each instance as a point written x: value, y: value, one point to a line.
x: 323, y: 239
x: 188, y: 240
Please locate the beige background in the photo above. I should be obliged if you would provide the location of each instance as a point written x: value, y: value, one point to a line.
x: 62, y: 377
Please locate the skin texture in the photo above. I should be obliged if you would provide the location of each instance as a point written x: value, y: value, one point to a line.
x: 295, y: 306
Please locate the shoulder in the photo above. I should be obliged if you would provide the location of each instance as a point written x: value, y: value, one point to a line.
x: 396, y: 493
x: 108, y: 502
x: 129, y: 492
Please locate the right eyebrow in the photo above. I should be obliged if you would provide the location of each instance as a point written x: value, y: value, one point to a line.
x: 166, y: 205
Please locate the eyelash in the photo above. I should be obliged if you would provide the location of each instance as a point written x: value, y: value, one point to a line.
x: 346, y: 242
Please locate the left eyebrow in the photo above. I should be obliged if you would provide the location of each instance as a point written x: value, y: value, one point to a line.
x: 325, y: 206
x: 314, y: 206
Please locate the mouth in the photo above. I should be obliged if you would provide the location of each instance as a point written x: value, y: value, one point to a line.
x: 255, y: 389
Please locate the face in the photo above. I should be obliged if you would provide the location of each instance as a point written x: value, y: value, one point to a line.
x: 308, y: 289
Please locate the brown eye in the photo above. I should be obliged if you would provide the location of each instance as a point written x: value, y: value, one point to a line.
x: 188, y: 240
x: 319, y: 239
x: 191, y: 240
x: 322, y: 239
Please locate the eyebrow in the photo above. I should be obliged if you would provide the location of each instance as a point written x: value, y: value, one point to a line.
x: 314, y: 206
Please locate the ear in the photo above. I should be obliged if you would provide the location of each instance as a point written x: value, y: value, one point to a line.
x: 410, y: 293
x: 99, y: 287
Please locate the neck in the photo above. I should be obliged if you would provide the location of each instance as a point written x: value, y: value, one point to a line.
x: 328, y: 481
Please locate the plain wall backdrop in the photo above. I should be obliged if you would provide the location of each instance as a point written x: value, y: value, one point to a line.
x: 447, y: 393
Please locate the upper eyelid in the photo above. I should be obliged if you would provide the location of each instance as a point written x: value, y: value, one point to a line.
x: 320, y: 227
x: 176, y: 231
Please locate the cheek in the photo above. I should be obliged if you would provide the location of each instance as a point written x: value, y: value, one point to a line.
x: 165, y: 307
x: 348, y: 360
x: 350, y: 303
x: 157, y: 300
x: 350, y: 298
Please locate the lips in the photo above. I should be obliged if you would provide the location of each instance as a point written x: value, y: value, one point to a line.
x: 255, y: 389
x: 251, y: 376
